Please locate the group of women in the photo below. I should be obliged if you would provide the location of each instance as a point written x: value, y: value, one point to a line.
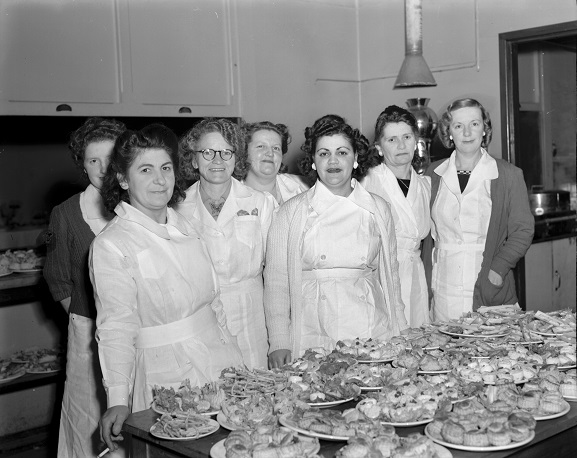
x: 250, y: 266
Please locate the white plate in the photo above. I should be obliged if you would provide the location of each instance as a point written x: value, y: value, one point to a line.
x: 370, y: 361
x: 408, y: 423
x: 470, y: 448
x: 570, y: 398
x: 552, y: 334
x: 444, y: 371
x: 371, y: 388
x: 214, y: 428
x: 324, y: 405
x: 283, y: 420
x: 218, y: 450
x: 565, y: 368
x: 223, y: 421
x: 26, y: 271
x: 423, y: 348
x: 442, y: 452
x: 13, y: 376
x: 5, y: 273
x: 476, y: 336
x: 461, y: 400
x: 554, y: 415
x: 525, y: 380
x: 40, y: 371
x: 162, y: 411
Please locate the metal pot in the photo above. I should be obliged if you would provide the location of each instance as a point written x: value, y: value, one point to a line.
x: 545, y: 202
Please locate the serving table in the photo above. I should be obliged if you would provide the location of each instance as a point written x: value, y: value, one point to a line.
x: 557, y: 437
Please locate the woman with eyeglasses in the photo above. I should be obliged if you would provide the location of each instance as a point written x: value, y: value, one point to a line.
x: 234, y: 221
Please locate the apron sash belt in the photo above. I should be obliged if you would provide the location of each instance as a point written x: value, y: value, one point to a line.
x: 177, y: 331
x: 460, y: 247
x: 336, y: 273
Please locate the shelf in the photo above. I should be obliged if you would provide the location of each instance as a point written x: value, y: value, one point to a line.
x: 31, y: 381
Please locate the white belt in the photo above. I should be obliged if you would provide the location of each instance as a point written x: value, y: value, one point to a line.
x: 460, y: 246
x: 243, y: 287
x: 336, y: 273
x: 177, y: 331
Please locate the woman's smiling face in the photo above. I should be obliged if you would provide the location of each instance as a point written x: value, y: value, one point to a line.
x: 467, y: 129
x: 216, y: 171
x: 334, y: 159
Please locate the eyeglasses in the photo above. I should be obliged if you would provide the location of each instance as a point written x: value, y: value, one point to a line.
x: 209, y: 154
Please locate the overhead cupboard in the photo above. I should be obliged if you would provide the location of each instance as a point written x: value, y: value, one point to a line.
x: 118, y: 58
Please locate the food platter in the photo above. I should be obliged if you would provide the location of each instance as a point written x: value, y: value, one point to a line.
x: 408, y: 423
x: 371, y: 388
x: 377, y: 361
x: 570, y: 398
x: 161, y: 411
x: 158, y: 432
x: 471, y: 448
x: 444, y: 371
x: 283, y: 420
x: 566, y: 368
x: 223, y: 421
x: 552, y: 334
x: 42, y: 371
x: 3, y: 274
x: 219, y: 451
x: 13, y: 376
x: 475, y: 336
x: 325, y: 405
x: 519, y: 382
x: 551, y: 416
x: 27, y: 271
x: 424, y: 348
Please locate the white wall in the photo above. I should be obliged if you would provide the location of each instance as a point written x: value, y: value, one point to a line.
x: 301, y: 59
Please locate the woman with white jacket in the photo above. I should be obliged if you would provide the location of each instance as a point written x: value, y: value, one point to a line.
x: 408, y: 193
x: 233, y: 220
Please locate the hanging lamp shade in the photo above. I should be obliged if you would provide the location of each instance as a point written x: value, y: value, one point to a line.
x: 414, y: 71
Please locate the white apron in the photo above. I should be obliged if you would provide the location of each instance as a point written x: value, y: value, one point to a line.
x: 460, y: 224
x: 208, y: 347
x: 342, y: 296
x: 412, y: 220
x: 236, y: 242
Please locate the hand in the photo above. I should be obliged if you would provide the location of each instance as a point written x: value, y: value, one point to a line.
x: 495, y: 278
x: 279, y: 358
x: 111, y: 425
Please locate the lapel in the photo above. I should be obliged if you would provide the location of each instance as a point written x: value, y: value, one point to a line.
x: 486, y: 169
x: 448, y: 173
x: 402, y: 204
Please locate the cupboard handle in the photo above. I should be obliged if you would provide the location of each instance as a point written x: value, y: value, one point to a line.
x: 557, y: 280
x: 184, y: 110
x: 63, y: 107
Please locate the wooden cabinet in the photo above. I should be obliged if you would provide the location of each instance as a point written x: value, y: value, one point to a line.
x: 118, y: 58
x: 550, y: 275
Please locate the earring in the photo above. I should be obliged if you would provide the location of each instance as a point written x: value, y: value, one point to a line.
x: 483, y: 134
x: 451, y: 137
x: 314, y: 167
x: 379, y: 150
x: 124, y: 186
x: 355, y: 165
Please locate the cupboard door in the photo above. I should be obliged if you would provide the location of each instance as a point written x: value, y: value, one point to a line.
x: 59, y: 51
x: 564, y: 273
x: 180, y: 52
x: 539, y: 277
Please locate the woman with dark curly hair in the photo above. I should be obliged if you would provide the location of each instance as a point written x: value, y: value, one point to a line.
x: 160, y: 319
x: 408, y: 193
x: 73, y: 226
x: 266, y: 144
x: 234, y: 221
x: 482, y: 223
x: 331, y: 264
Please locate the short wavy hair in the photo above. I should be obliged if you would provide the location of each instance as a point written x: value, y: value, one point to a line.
x: 127, y: 148
x: 334, y: 125
x: 249, y: 129
x: 93, y: 130
x: 232, y: 134
x: 393, y: 114
x: 443, y: 130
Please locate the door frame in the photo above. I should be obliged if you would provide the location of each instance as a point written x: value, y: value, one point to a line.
x: 509, y: 88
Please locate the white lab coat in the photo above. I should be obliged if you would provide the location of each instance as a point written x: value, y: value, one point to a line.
x: 236, y: 242
x: 411, y: 216
x: 289, y: 185
x: 160, y: 319
x: 460, y: 224
x: 342, y: 294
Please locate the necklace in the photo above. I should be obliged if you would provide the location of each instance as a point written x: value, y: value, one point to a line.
x: 214, y: 206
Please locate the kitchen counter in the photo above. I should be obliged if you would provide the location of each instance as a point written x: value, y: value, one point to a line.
x: 555, y: 436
